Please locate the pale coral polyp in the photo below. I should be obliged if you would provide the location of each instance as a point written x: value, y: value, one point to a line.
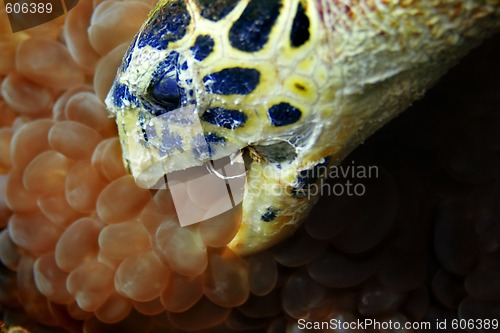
x: 48, y: 63
x: 25, y: 96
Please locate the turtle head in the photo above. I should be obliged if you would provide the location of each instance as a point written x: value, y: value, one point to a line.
x: 203, y: 80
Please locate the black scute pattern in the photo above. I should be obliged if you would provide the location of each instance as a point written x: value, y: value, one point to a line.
x: 300, y: 27
x: 251, y: 31
x: 168, y: 24
x: 216, y: 10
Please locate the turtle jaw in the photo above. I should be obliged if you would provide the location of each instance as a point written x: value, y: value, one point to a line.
x: 154, y: 146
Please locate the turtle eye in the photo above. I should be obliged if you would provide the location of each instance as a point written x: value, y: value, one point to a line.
x: 166, y: 93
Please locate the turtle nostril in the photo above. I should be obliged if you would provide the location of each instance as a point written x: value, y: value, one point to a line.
x: 166, y: 93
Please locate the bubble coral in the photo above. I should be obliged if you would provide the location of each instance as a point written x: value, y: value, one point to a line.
x: 84, y: 249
